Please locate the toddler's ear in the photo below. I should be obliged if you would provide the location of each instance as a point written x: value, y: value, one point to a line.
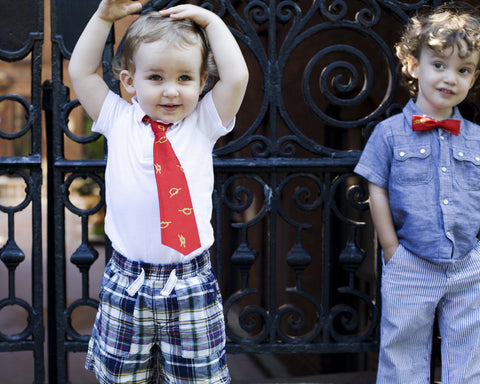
x: 413, y: 67
x: 203, y: 81
x: 127, y: 81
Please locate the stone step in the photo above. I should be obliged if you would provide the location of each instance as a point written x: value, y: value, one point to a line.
x: 337, y: 378
x: 266, y: 369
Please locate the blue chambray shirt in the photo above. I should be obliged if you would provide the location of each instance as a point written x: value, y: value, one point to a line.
x: 433, y: 181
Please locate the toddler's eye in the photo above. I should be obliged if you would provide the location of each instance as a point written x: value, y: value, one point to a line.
x: 156, y: 77
x: 184, y: 78
x: 438, y: 65
x: 465, y: 71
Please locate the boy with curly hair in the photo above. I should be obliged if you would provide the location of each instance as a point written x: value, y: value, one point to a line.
x: 423, y: 172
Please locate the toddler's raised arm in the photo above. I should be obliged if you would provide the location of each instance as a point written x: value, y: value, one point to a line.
x: 88, y: 85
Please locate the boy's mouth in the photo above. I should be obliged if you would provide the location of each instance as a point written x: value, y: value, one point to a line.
x: 446, y: 91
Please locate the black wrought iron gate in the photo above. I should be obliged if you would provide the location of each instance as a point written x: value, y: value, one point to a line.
x: 294, y: 249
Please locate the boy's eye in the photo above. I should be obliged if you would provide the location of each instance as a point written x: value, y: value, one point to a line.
x: 465, y: 71
x: 156, y: 77
x: 438, y: 65
x: 184, y: 78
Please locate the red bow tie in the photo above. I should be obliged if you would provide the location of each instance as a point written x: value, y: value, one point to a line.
x: 423, y: 123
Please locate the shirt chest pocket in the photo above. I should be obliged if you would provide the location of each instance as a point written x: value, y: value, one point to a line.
x: 412, y: 164
x: 467, y: 167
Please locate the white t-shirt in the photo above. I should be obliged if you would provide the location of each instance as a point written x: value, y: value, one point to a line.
x: 132, y: 219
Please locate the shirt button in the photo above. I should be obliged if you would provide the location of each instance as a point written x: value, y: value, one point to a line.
x: 442, y: 138
x: 445, y: 201
x: 460, y: 154
x: 402, y: 154
x: 477, y: 158
x: 444, y: 169
x: 449, y: 234
x: 422, y: 150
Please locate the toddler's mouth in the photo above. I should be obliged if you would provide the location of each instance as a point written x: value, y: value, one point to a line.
x: 170, y: 107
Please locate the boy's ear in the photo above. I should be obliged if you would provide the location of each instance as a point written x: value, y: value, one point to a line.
x: 475, y: 77
x: 413, y: 67
x: 127, y: 81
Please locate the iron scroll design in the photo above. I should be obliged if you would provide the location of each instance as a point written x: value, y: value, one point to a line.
x: 304, y: 323
x: 286, y: 153
x: 294, y: 251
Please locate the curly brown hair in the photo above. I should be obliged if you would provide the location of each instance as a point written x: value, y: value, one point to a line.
x: 439, y: 29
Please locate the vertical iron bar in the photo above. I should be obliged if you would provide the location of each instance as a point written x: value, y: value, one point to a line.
x: 38, y: 327
x: 51, y: 229
x: 326, y: 267
x: 217, y: 206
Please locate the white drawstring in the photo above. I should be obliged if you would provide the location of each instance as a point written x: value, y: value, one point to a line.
x: 170, y: 284
x: 166, y: 291
x: 135, y: 286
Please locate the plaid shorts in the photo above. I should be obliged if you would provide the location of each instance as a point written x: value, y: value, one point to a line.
x: 159, y: 324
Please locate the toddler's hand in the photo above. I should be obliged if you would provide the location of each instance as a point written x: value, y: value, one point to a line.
x: 113, y: 10
x: 203, y: 17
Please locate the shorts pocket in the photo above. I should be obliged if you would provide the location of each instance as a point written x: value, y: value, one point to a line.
x: 201, y: 320
x: 114, y: 322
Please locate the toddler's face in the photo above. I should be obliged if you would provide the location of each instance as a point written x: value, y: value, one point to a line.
x: 167, y: 80
x: 443, y: 80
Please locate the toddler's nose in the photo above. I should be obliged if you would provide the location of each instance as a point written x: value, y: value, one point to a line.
x: 170, y: 90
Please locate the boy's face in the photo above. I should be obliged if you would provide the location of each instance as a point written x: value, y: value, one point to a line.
x: 167, y: 80
x: 443, y: 80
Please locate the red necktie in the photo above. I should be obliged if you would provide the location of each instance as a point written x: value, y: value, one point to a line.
x: 423, y: 123
x: 178, y: 225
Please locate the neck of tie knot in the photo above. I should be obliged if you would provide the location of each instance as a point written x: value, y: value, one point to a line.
x: 159, y: 129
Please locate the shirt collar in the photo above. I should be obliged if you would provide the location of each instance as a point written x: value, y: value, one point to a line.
x: 137, y: 110
x: 139, y: 114
x: 412, y: 109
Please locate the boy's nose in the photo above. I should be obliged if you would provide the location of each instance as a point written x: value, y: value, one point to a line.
x: 449, y: 77
x: 170, y: 90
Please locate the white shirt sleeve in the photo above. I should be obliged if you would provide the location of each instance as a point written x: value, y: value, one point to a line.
x: 111, y: 109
